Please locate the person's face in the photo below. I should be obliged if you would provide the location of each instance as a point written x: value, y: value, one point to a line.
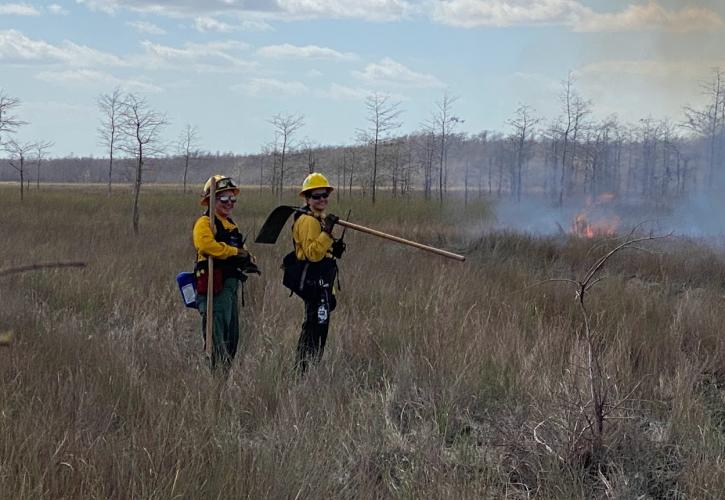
x: 317, y: 199
x: 224, y: 203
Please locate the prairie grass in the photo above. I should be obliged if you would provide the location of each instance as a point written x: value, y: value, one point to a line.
x: 440, y: 380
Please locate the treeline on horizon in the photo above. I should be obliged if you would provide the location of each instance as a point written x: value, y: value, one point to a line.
x: 574, y: 154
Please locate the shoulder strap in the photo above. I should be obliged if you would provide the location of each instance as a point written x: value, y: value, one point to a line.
x: 304, y: 210
x: 219, y: 225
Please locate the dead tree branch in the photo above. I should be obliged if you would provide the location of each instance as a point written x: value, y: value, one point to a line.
x: 34, y: 267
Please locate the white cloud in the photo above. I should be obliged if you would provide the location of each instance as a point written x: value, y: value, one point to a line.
x: 390, y: 72
x: 18, y: 9
x: 93, y: 78
x: 213, y: 57
x: 288, y: 51
x: 16, y: 47
x: 249, y: 25
x: 108, y: 6
x: 204, y: 24
x: 270, y: 86
x: 373, y: 10
x: 146, y: 27
x: 574, y: 14
x: 652, y: 16
x: 343, y: 93
x: 56, y: 9
x: 473, y: 13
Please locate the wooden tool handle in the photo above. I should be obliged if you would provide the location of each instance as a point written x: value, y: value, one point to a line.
x: 390, y: 237
x: 210, y: 276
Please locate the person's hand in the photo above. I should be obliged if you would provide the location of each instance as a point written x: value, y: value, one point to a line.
x: 246, y: 263
x: 338, y: 248
x: 251, y: 268
x: 329, y: 222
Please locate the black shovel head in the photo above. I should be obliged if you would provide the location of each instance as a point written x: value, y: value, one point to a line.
x: 273, y: 225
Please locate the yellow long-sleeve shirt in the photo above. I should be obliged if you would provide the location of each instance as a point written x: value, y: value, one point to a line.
x: 311, y: 243
x: 207, y: 246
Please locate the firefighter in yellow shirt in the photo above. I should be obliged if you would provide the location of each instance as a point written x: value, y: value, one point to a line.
x: 232, y: 261
x: 314, y: 244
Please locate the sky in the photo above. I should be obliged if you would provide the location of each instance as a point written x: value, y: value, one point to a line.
x: 228, y: 66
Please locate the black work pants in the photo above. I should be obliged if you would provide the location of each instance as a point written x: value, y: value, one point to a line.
x: 311, y: 344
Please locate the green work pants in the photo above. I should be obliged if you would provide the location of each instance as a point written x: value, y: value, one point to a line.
x: 225, y: 329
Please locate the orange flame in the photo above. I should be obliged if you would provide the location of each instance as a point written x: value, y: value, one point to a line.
x: 587, y: 226
x: 586, y: 229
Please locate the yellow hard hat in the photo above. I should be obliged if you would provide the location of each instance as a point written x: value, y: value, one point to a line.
x: 315, y: 181
x: 223, y: 183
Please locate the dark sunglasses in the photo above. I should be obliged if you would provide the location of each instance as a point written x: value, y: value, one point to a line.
x: 227, y: 199
x: 321, y: 195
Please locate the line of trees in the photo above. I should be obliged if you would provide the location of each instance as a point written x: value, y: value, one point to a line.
x: 128, y: 125
x: 22, y: 154
x: 572, y: 155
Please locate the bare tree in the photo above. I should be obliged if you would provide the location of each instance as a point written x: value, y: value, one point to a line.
x: 19, y: 152
x: 40, y: 151
x: 524, y: 128
x: 443, y: 122
x: 382, y: 118
x: 709, y: 121
x: 141, y: 127
x: 567, y: 129
x: 285, y: 127
x: 9, y: 122
x: 426, y: 155
x: 309, y: 149
x: 352, y: 164
x: 188, y: 147
x: 592, y: 390
x: 649, y: 134
x: 110, y: 106
x: 600, y: 169
x: 268, y: 158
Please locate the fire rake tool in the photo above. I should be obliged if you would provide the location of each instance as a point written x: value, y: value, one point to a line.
x: 277, y: 219
x: 210, y: 276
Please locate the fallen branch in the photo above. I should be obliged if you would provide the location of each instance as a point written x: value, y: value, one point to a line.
x: 34, y: 267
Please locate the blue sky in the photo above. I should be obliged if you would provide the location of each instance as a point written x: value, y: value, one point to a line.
x: 228, y: 66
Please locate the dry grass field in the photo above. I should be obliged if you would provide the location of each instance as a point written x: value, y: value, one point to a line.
x: 441, y: 379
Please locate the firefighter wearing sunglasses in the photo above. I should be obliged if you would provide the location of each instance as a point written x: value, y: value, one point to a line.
x: 232, y: 264
x: 317, y: 249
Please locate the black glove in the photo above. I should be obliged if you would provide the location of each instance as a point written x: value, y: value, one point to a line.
x: 328, y: 223
x: 338, y: 248
x: 246, y: 264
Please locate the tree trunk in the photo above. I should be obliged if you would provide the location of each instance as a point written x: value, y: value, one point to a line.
x: 137, y: 191
x: 186, y: 170
x: 375, y: 165
x: 110, y: 169
x: 22, y: 179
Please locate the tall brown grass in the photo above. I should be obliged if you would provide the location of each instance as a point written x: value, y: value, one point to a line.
x: 435, y: 378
